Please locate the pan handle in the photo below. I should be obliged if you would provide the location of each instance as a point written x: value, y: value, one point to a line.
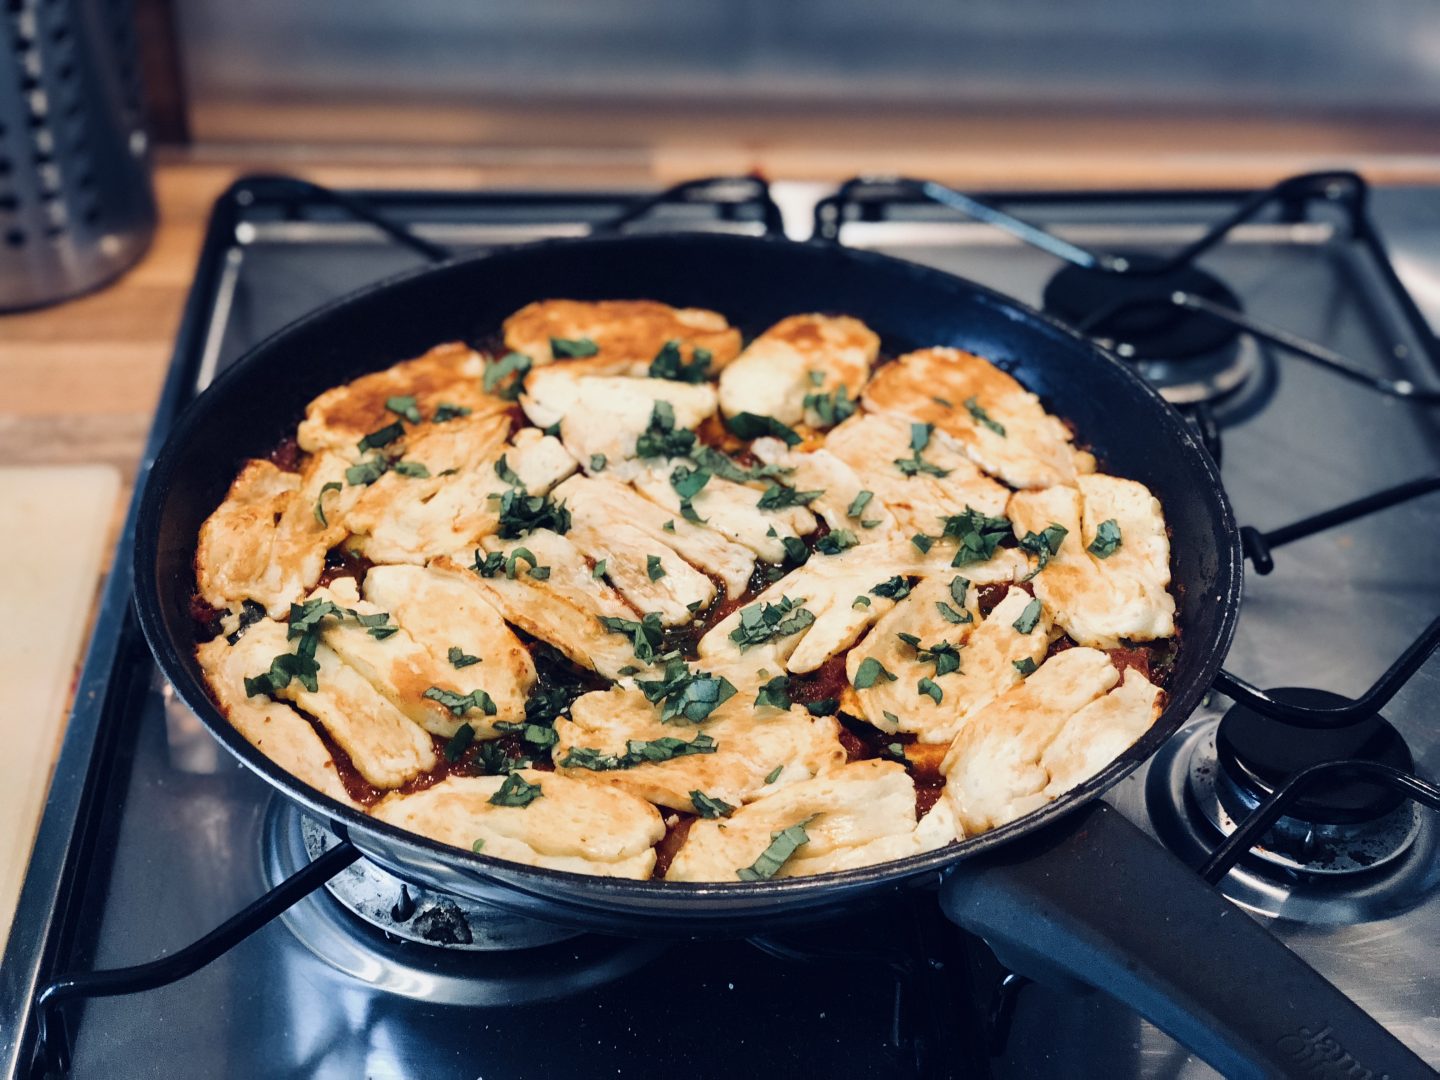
x: 1098, y: 901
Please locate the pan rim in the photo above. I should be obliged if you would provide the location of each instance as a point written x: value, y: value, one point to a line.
x: 532, y: 880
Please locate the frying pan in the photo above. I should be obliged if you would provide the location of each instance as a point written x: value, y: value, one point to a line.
x: 1070, y: 889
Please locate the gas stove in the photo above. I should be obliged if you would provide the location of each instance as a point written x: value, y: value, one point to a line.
x: 1298, y: 338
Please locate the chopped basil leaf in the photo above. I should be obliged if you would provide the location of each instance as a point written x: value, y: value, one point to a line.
x: 748, y: 425
x: 927, y: 686
x: 942, y: 401
x: 945, y: 657
x: 921, y: 541
x: 1025, y: 666
x: 507, y: 474
x: 459, y: 658
x: 653, y: 569
x: 890, y: 716
x: 725, y: 467
x: 540, y: 573
x: 333, y: 485
x: 637, y: 752
x: 1107, y: 539
x: 949, y: 614
x: 1029, y: 618
x: 912, y: 640
x: 1043, y: 545
x: 860, y: 601
x: 823, y: 707
x: 512, y: 564
x: 367, y: 472
x: 972, y: 406
x: 478, y: 846
x: 521, y: 513
x: 445, y: 411
x: 669, y: 364
x: 517, y: 364
x: 516, y: 791
x: 959, y: 589
x: 777, y: 497
x: 836, y: 541
x: 540, y: 736
x: 572, y: 348
x: 307, y: 617
x: 669, y: 526
x: 599, y: 569
x: 689, y: 697
x: 598, y: 462
x: 869, y: 671
x: 460, y: 704
x: 816, y: 377
x: 382, y: 437
x: 553, y: 430
x: 774, y: 774
x: 645, y: 635
x: 775, y: 693
x: 688, y: 483
x: 413, y: 469
x: 764, y: 622
x: 630, y: 669
x: 895, y: 588
x: 491, y: 565
x: 832, y: 408
x: 977, y: 534
x: 920, y: 436
x: 300, y: 664
x: 783, y: 845
x: 459, y: 742
x: 547, y: 701
x: 795, y: 549
x: 404, y: 406
x: 708, y: 807
x: 661, y: 439
x: 858, y: 504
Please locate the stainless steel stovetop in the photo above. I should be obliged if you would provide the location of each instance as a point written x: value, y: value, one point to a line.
x: 153, y: 836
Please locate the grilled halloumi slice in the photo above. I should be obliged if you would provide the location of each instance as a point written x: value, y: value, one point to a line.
x: 800, y: 355
x: 603, y: 416
x: 996, y: 769
x: 412, y: 520
x: 874, y: 445
x: 730, y: 509
x: 571, y: 825
x: 386, y: 747
x: 988, y: 650
x: 446, y: 375
x: 272, y: 727
x: 647, y: 570
x: 564, y: 607
x: 840, y: 487
x: 858, y: 815
x: 599, y: 503
x: 751, y: 744
x: 628, y: 334
x: 826, y: 587
x: 1100, y: 600
x: 1002, y: 426
x: 265, y: 542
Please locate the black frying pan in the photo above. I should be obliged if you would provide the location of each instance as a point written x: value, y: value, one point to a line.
x: 1083, y: 891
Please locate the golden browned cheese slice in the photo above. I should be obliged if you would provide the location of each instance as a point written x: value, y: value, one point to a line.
x: 798, y: 356
x: 1039, y: 739
x: 272, y: 727
x: 264, y: 542
x: 1002, y: 426
x: 628, y: 333
x: 570, y: 825
x: 752, y: 744
x: 446, y: 375
x: 858, y: 815
x: 1102, y: 600
x: 988, y: 651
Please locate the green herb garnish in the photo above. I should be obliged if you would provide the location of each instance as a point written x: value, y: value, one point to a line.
x: 977, y: 534
x: 413, y: 469
x: 520, y: 513
x: 836, y: 541
x: 1107, y: 539
x: 927, y: 686
x: 832, y: 408
x: 382, y: 437
x: 1025, y: 666
x: 689, y: 697
x: 748, y: 425
x: 572, y: 348
x: 517, y: 364
x: 764, y: 622
x: 445, y: 411
x: 516, y: 791
x: 404, y: 406
x: 708, y: 807
x: 660, y: 438
x: 459, y: 742
x: 669, y: 364
x: 783, y: 845
x: 972, y: 406
x: 333, y: 485
x: 869, y: 672
x: 1029, y: 618
x: 778, y: 496
x: 645, y: 635
x: 895, y: 588
x: 598, y: 462
x: 775, y: 693
x: 459, y: 658
x: 858, y: 504
x: 460, y: 704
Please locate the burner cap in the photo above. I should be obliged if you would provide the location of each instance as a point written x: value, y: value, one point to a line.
x: 1260, y: 754
x: 1156, y: 331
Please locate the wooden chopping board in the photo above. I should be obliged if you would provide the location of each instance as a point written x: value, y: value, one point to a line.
x: 55, y: 531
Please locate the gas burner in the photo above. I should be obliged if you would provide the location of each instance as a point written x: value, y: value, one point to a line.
x: 418, y: 943
x: 1187, y: 355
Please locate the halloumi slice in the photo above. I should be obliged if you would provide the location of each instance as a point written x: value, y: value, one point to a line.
x: 989, y: 650
x: 751, y: 744
x: 599, y: 503
x: 385, y: 746
x: 272, y: 727
x: 840, y: 489
x: 264, y: 542
x: 959, y: 392
x: 445, y: 514
x: 448, y: 374
x: 732, y: 510
x: 565, y: 607
x: 828, y: 586
x: 872, y: 443
x: 604, y: 415
x: 995, y: 769
x: 572, y: 825
x: 1100, y: 732
x: 773, y: 375
x: 1100, y: 601
x: 858, y: 815
x: 627, y: 333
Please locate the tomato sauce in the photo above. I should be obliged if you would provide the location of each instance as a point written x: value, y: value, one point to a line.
x: 677, y: 828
